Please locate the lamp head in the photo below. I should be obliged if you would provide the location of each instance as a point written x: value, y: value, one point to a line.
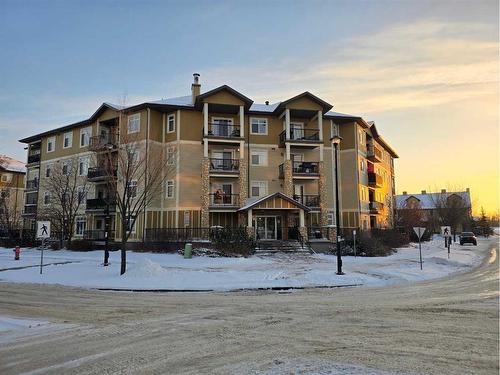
x: 335, y: 140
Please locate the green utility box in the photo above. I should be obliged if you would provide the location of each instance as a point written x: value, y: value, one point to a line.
x: 188, y: 250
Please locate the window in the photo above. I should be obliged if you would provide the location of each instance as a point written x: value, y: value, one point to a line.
x: 362, y: 164
x: 171, y: 156
x: 259, y: 157
x: 187, y: 218
x: 85, y: 134
x: 83, y: 166
x: 48, y: 170
x: 81, y: 223
x: 258, y: 188
x: 46, y: 198
x: 170, y: 190
x: 6, y: 177
x: 131, y: 223
x: 132, y: 188
x: 334, y: 130
x: 68, y: 140
x: 258, y: 126
x: 65, y: 168
x: 51, y: 144
x: 134, y: 123
x: 82, y: 195
x: 133, y: 155
x: 171, y: 123
x: 331, y: 218
x: 360, y: 137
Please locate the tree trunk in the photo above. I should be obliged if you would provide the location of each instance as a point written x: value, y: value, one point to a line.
x: 123, y: 267
x: 106, y: 257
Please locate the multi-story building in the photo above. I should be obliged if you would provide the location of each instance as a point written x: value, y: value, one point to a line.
x: 265, y: 166
x: 12, y: 173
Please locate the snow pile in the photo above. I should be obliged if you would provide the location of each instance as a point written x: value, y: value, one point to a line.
x: 145, y: 268
x: 12, y: 324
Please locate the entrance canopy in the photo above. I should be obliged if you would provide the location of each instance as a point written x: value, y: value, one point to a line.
x: 274, y: 201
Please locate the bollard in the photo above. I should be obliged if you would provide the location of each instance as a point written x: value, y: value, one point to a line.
x: 188, y: 251
x: 17, y: 253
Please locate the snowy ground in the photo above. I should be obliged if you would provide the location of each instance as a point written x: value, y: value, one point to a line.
x: 173, y: 272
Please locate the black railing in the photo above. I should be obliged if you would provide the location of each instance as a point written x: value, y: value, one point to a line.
x: 223, y: 199
x: 374, y: 153
x: 300, y: 134
x: 224, y: 130
x: 100, y: 204
x: 307, y: 200
x: 98, y: 235
x: 35, y: 158
x: 31, y: 198
x: 99, y: 172
x: 224, y: 165
x: 376, y: 206
x: 305, y: 167
x: 317, y: 232
x: 177, y: 234
x: 374, y: 179
x: 103, y: 141
x: 32, y: 184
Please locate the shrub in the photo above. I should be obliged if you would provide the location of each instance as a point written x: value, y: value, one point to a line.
x: 80, y: 245
x: 232, y: 241
x: 366, y: 245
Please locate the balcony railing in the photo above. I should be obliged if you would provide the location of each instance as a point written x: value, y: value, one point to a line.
x: 301, y: 168
x: 223, y: 199
x: 95, y: 173
x: 224, y: 130
x: 375, y: 180
x: 376, y: 207
x: 34, y: 158
x: 98, y: 235
x: 30, y: 210
x: 100, y: 204
x: 307, y: 200
x: 103, y: 141
x: 300, y: 134
x: 31, y: 199
x: 224, y: 165
x: 374, y: 153
x: 32, y: 184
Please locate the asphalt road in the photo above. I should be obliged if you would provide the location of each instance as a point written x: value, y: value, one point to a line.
x: 445, y: 326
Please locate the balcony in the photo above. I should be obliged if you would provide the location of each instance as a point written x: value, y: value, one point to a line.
x: 301, y: 137
x: 103, y: 142
x: 376, y: 207
x: 98, y: 204
x: 29, y: 210
x: 224, y: 200
x: 31, y: 199
x: 374, y: 154
x: 224, y: 166
x: 223, y: 133
x: 34, y: 158
x: 375, y: 180
x: 32, y: 184
x: 301, y: 169
x: 100, y: 174
x: 307, y: 200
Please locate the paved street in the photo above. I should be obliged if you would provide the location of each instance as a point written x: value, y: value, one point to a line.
x: 446, y: 326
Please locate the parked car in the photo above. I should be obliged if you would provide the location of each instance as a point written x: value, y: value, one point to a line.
x: 468, y: 237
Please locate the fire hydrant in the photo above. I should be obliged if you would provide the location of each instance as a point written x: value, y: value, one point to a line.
x: 17, y: 252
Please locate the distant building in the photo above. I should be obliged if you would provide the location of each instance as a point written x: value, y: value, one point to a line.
x: 12, y: 173
x: 434, y: 206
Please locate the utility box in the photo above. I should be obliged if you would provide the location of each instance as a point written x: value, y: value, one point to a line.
x: 188, y: 251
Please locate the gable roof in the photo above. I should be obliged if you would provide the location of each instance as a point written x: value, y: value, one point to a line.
x: 12, y: 165
x: 255, y: 202
x: 227, y: 88
x: 380, y: 140
x: 428, y: 201
x: 306, y: 94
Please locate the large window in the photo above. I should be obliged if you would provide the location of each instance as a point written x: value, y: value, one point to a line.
x: 134, y: 123
x: 258, y: 157
x: 83, y: 166
x: 51, y: 144
x: 46, y: 198
x: 171, y: 123
x: 68, y: 140
x: 7, y: 177
x: 85, y: 135
x: 170, y: 189
x: 65, y: 168
x: 258, y: 126
x: 82, y: 195
x: 132, y: 188
x: 258, y: 188
x: 81, y: 223
x: 48, y: 170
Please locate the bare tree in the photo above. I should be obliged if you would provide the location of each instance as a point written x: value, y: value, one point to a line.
x: 10, y: 214
x: 408, y: 215
x: 452, y: 209
x: 67, y: 189
x: 140, y: 171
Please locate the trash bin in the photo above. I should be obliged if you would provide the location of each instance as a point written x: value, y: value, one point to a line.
x: 188, y: 251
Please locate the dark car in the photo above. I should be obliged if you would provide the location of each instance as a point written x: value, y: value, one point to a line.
x: 468, y: 237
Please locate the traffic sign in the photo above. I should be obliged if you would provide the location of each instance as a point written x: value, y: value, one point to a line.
x: 419, y: 231
x: 43, y: 229
x: 446, y: 231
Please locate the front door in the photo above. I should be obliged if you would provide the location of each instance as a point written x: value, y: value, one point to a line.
x: 266, y: 227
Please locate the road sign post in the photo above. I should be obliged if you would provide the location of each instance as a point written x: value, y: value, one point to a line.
x: 354, y: 241
x: 43, y: 233
x: 419, y: 231
x: 446, y: 233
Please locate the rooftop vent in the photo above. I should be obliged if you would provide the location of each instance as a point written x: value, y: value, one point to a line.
x: 267, y: 102
x: 195, y: 87
x: 443, y: 191
x: 424, y: 192
x: 405, y: 192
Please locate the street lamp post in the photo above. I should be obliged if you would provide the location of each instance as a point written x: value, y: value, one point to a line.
x: 335, y: 142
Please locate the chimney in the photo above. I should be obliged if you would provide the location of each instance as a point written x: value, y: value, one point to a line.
x: 443, y: 191
x: 467, y: 190
x: 405, y: 192
x: 424, y: 192
x: 267, y: 102
x: 195, y: 87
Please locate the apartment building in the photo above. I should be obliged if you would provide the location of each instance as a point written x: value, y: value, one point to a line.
x: 12, y: 173
x: 234, y: 162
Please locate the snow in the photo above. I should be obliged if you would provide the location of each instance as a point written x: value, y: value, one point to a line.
x: 428, y: 200
x: 12, y: 165
x: 264, y: 107
x: 11, y: 324
x: 180, y: 100
x: 148, y: 271
x: 338, y: 114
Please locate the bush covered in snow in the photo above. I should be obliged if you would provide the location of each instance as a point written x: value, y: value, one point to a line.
x: 377, y: 242
x: 232, y: 241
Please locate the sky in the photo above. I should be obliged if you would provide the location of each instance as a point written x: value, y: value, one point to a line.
x: 427, y: 72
